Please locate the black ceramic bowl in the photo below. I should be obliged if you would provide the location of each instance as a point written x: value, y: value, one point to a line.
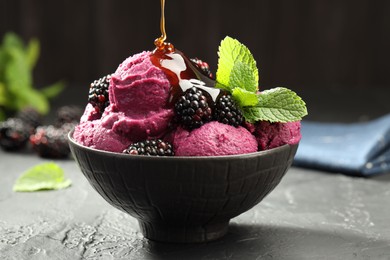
x: 183, y: 199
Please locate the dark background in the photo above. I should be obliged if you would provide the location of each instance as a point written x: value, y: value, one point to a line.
x: 338, y: 46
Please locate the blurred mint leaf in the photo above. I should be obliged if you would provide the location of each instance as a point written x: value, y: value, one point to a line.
x: 3, y: 97
x: 276, y: 105
x: 231, y: 52
x: 34, y: 98
x: 12, y: 40
x: 53, y: 90
x: 2, y: 115
x: 244, y: 98
x: 32, y: 53
x: 45, y: 176
x: 16, y: 64
x: 17, y: 72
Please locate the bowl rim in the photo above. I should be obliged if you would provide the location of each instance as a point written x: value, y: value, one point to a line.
x: 176, y: 158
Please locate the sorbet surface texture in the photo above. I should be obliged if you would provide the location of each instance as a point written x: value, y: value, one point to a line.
x: 271, y: 135
x: 212, y: 139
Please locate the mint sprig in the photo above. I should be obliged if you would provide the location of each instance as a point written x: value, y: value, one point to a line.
x: 238, y: 74
x: 45, y: 176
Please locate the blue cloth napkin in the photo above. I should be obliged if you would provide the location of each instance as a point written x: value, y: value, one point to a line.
x: 361, y: 149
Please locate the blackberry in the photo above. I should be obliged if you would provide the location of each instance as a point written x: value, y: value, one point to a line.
x: 192, y: 109
x: 14, y: 134
x: 98, y: 93
x: 226, y: 111
x: 68, y: 114
x: 51, y: 142
x: 30, y: 116
x: 203, y: 66
x: 150, y: 147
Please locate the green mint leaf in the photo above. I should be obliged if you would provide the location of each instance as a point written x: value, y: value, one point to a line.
x: 2, y: 114
x: 242, y: 76
x: 230, y: 52
x: 244, y: 98
x: 3, y: 95
x: 45, y: 176
x: 17, y: 72
x: 32, y: 53
x: 53, y: 90
x: 12, y: 40
x: 221, y: 86
x: 34, y: 98
x: 276, y: 105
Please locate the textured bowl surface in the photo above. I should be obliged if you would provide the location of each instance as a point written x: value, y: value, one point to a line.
x: 183, y: 199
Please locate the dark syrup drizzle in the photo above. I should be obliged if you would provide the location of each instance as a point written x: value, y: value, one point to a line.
x: 181, y: 72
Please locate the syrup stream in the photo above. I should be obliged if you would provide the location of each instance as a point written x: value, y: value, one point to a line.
x: 160, y: 43
x: 162, y: 22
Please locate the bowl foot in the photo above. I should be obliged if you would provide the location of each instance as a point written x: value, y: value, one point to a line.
x: 183, y: 234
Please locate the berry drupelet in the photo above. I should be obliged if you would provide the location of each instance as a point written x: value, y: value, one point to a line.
x: 98, y: 93
x: 226, y: 111
x: 192, y: 109
x: 150, y: 147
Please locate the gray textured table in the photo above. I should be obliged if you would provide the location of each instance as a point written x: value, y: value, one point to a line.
x: 310, y: 215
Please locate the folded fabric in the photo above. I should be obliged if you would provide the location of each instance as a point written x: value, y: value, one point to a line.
x: 361, y: 149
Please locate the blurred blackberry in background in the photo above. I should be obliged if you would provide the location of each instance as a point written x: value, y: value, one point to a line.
x: 192, y: 109
x: 14, y: 134
x: 226, y: 111
x: 51, y: 141
x: 30, y: 116
x: 150, y: 147
x: 68, y: 114
x: 98, y: 93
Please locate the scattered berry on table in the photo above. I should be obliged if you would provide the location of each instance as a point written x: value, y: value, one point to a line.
x: 192, y: 109
x: 98, y: 93
x: 156, y: 147
x: 226, y: 111
x: 51, y: 142
x: 204, y: 66
x: 14, y: 134
x: 69, y: 114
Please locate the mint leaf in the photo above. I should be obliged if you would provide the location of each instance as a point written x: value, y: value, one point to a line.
x: 53, y: 90
x: 276, y: 105
x: 2, y: 115
x: 242, y: 76
x: 244, y: 98
x: 3, y: 93
x: 34, y: 98
x: 17, y: 72
x: 231, y: 52
x: 45, y: 176
x: 32, y: 52
x: 12, y: 40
